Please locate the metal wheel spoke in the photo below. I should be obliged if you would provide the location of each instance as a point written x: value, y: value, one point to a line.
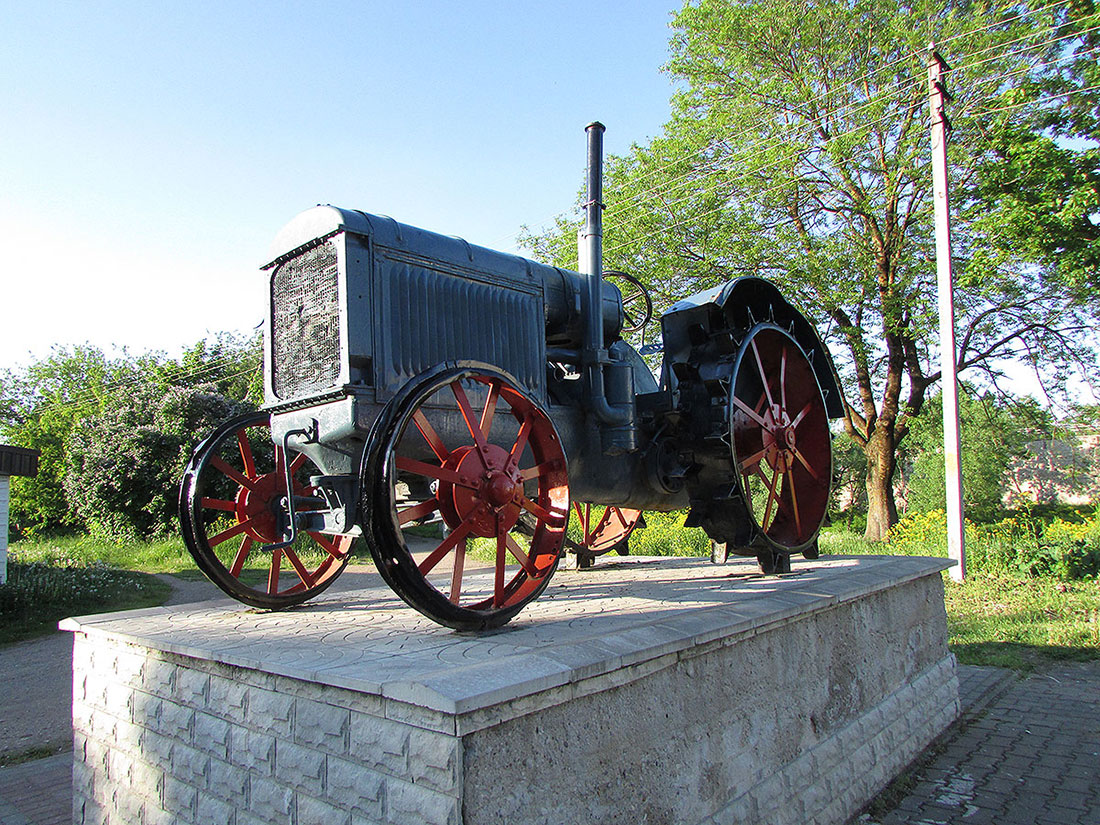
x: 473, y: 424
x: 540, y: 470
x: 232, y: 472
x: 411, y: 465
x: 549, y: 516
x: 445, y: 547
x: 794, y: 503
x: 431, y: 436
x: 297, y: 463
x: 235, y: 530
x: 329, y: 545
x: 751, y: 460
x: 219, y: 504
x: 772, y: 499
x: 517, y: 551
x: 273, y: 572
x: 241, y: 557
x: 456, y: 572
x: 763, y: 375
x: 801, y: 415
x: 783, y: 379
x: 501, y: 561
x: 806, y: 464
x: 750, y: 412
x: 417, y: 511
x: 490, y: 408
x: 246, y: 453
x: 521, y: 438
x: 299, y: 568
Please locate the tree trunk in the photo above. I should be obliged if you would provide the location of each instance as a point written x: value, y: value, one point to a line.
x: 882, y: 510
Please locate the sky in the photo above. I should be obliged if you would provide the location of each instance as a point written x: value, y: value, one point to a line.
x: 150, y: 152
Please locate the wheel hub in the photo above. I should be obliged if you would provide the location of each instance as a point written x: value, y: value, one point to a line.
x: 260, y: 507
x: 778, y: 438
x: 490, y: 493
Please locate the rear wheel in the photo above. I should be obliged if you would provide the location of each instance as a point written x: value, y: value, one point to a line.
x: 781, y: 443
x: 600, y: 530
x: 232, y: 510
x: 465, y: 480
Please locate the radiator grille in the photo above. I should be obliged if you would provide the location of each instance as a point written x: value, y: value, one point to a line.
x: 305, y: 323
x: 435, y: 317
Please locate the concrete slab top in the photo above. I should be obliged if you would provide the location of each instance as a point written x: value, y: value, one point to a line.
x: 622, y: 612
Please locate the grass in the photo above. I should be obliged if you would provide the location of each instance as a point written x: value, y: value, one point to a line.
x: 40, y: 593
x: 1002, y: 615
x: 1023, y: 622
x: 1007, y: 616
x: 157, y: 556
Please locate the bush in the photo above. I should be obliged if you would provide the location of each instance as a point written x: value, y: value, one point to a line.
x: 1020, y: 545
x: 666, y: 535
x: 124, y: 464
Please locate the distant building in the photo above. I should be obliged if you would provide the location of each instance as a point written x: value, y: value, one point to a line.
x: 1065, y: 470
x: 14, y: 461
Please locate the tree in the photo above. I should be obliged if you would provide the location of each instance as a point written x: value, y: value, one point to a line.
x: 798, y: 151
x: 996, y: 434
x: 124, y: 464
x: 43, y: 405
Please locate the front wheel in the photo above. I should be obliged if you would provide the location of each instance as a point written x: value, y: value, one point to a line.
x: 231, y: 511
x: 465, y: 487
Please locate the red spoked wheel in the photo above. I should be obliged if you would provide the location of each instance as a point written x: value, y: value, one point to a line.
x: 231, y: 511
x: 466, y: 489
x: 781, y: 442
x: 602, y: 529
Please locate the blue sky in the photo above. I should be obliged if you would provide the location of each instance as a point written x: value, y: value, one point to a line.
x: 150, y: 152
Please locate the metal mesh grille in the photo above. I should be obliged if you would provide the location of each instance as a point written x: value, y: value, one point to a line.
x: 305, y: 323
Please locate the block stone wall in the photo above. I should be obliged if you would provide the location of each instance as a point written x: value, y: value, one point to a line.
x: 798, y: 715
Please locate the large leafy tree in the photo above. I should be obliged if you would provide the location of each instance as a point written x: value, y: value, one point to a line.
x: 799, y: 151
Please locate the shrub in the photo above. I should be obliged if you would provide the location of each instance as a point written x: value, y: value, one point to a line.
x: 1018, y: 545
x: 124, y: 464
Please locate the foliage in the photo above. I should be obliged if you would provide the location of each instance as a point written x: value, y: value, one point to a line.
x: 123, y: 465
x: 39, y: 593
x: 44, y: 403
x: 798, y: 151
x: 56, y: 404
x: 993, y: 434
x: 1017, y: 546
x: 849, y: 491
x: 665, y: 535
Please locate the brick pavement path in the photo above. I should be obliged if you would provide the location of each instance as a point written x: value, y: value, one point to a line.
x: 1030, y: 756
x: 1027, y: 751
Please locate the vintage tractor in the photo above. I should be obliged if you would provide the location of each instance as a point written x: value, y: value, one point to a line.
x: 447, y: 403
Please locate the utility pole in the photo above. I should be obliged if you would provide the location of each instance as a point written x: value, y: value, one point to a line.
x: 941, y: 127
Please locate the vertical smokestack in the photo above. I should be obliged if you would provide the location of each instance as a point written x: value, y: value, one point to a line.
x: 592, y: 248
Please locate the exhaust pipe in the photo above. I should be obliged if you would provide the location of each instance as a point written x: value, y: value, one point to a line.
x: 618, y: 435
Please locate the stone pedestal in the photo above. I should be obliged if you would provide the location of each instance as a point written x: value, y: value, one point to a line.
x: 643, y: 690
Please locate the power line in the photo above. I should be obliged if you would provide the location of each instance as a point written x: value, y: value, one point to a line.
x: 877, y: 73
x: 647, y: 196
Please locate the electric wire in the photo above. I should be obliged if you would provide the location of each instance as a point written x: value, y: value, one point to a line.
x: 646, y: 195
x: 791, y: 157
